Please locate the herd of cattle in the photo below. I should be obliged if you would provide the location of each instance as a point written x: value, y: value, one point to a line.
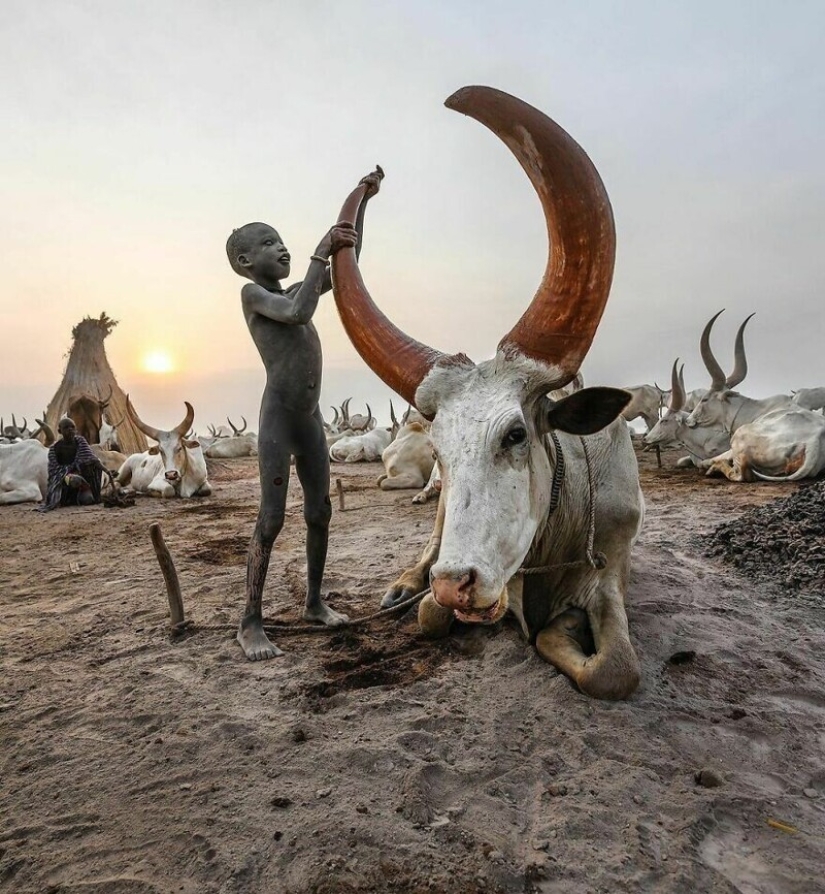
x: 781, y: 437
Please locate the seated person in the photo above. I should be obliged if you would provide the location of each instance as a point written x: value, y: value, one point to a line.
x: 75, y: 473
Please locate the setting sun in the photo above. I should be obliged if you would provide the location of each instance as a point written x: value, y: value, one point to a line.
x: 157, y: 362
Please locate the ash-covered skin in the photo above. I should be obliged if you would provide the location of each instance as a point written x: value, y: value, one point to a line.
x: 280, y: 322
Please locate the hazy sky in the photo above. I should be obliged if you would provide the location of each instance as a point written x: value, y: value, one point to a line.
x: 137, y: 135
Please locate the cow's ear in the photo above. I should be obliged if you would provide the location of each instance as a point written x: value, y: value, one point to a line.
x: 154, y: 451
x: 191, y: 444
x: 587, y: 411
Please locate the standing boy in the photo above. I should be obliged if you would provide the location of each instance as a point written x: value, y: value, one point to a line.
x: 280, y: 322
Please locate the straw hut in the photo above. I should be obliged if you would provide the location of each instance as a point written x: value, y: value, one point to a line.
x: 89, y: 389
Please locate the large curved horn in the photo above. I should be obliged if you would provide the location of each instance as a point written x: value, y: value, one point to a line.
x: 345, y: 411
x: 677, y: 392
x: 188, y: 419
x: 717, y: 375
x: 234, y: 430
x: 243, y: 419
x: 47, y: 431
x: 146, y: 429
x: 337, y: 417
x: 369, y: 416
x: 740, y: 362
x: 400, y: 361
x: 561, y: 321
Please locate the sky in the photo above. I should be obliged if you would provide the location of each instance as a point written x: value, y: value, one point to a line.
x: 137, y: 136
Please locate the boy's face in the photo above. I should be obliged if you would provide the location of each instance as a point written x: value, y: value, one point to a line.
x: 267, y: 256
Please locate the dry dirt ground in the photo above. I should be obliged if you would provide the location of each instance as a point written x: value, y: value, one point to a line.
x: 372, y: 760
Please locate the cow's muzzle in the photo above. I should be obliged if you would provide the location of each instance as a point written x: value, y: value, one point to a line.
x: 172, y: 476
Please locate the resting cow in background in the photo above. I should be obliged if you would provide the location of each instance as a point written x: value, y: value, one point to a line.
x: 672, y: 428
x: 24, y: 469
x: 175, y: 467
x: 524, y: 475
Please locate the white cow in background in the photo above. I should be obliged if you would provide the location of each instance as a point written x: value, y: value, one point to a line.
x: 701, y: 443
x: 24, y: 468
x: 408, y: 460
x: 240, y: 443
x: 646, y: 402
x: 809, y: 398
x: 783, y: 445
x: 174, y: 467
x: 366, y: 447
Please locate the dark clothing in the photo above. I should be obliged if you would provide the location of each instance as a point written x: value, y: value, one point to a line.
x: 72, y: 459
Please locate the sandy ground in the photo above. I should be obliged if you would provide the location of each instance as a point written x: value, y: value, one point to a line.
x: 372, y: 760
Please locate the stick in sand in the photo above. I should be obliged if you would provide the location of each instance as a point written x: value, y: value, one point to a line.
x: 170, y: 577
x: 340, y: 489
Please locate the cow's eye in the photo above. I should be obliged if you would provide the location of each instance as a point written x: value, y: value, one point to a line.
x: 515, y: 436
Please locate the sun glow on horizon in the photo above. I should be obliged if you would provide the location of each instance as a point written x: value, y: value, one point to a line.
x: 157, y: 362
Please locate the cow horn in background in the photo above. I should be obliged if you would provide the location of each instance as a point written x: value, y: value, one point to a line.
x: 335, y: 420
x: 47, y: 432
x: 740, y: 362
x: 400, y: 361
x: 561, y: 321
x: 369, y: 417
x: 243, y: 419
x: 717, y: 375
x: 393, y: 420
x: 345, y: 411
x: 234, y: 430
x: 677, y: 392
x: 102, y: 404
x: 146, y: 429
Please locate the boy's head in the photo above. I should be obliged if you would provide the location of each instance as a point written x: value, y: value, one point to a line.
x: 257, y: 252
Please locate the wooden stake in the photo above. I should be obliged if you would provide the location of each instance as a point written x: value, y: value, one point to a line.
x: 658, y: 456
x: 340, y: 488
x: 170, y: 577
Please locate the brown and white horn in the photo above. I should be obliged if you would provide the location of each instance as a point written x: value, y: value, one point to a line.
x: 677, y: 393
x: 717, y: 375
x: 398, y: 360
x: 559, y: 325
x: 131, y: 412
x: 740, y: 362
x: 561, y: 321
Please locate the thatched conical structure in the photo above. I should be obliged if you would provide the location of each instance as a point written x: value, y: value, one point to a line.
x: 89, y: 388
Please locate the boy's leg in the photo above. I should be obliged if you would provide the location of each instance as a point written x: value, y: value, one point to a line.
x: 273, y: 464
x: 312, y: 466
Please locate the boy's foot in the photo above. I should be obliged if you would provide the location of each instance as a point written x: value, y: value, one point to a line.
x: 255, y: 643
x: 323, y: 613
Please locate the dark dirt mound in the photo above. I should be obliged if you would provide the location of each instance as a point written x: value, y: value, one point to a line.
x: 783, y: 541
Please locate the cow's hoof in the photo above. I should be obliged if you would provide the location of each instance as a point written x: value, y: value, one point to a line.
x: 433, y: 619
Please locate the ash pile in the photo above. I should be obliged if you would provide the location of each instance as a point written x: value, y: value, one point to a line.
x: 782, y: 542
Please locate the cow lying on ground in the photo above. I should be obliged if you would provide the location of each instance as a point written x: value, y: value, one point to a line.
x: 783, y: 445
x: 175, y: 467
x: 408, y: 460
x: 541, y: 501
x: 24, y: 472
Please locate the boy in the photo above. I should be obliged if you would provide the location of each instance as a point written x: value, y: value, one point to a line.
x: 280, y: 322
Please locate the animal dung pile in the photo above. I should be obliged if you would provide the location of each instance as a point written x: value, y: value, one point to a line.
x: 782, y: 541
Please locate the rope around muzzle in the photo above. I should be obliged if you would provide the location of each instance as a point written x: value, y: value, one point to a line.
x: 596, y: 560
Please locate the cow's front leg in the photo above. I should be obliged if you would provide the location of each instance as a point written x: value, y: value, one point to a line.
x: 434, y: 620
x: 415, y: 579
x: 160, y: 489
x: 204, y: 490
x: 598, y: 656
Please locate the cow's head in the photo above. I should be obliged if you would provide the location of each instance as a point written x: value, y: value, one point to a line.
x: 713, y: 408
x: 489, y: 420
x: 173, y: 446
x: 666, y: 430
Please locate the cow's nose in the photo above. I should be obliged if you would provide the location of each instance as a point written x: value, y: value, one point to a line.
x: 172, y: 476
x: 455, y: 590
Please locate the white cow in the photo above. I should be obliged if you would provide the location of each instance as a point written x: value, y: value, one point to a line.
x: 108, y: 434
x: 241, y: 443
x: 366, y: 447
x: 783, y: 445
x: 722, y: 407
x: 809, y: 398
x: 701, y: 443
x: 24, y: 472
x: 645, y: 403
x: 509, y: 505
x: 408, y: 460
x: 175, y: 467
